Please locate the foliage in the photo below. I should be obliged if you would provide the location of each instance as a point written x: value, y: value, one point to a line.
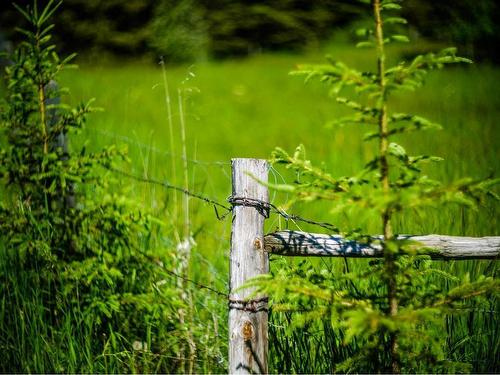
x: 190, y: 29
x: 475, y: 27
x: 255, y: 91
x: 243, y: 27
x: 228, y: 28
x: 258, y: 91
x: 83, y: 287
x: 179, y: 31
x: 396, y: 321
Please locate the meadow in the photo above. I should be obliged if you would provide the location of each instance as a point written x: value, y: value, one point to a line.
x: 247, y: 107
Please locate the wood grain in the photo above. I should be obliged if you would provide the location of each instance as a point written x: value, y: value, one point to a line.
x: 247, y: 319
x: 293, y: 243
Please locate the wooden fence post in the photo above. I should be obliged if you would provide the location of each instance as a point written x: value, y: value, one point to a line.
x: 248, y: 317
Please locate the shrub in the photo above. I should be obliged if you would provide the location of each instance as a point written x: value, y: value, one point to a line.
x: 83, y: 287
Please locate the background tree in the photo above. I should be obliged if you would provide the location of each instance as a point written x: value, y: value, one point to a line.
x: 222, y: 28
x: 474, y: 27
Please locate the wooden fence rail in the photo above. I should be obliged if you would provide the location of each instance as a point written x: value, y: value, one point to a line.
x: 248, y: 341
x: 292, y: 243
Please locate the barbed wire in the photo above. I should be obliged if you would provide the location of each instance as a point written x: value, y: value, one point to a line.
x: 263, y: 207
x: 295, y: 217
x: 201, y: 286
x: 176, y: 188
x: 182, y: 277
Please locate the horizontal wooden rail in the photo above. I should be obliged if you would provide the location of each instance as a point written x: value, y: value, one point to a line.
x: 292, y: 243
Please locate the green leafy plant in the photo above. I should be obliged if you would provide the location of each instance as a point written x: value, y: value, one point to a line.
x: 78, y: 259
x: 393, y: 319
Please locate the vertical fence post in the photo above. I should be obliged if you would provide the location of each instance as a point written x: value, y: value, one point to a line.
x: 248, y: 317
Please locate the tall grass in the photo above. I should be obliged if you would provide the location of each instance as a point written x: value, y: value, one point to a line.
x: 244, y: 109
x: 44, y: 330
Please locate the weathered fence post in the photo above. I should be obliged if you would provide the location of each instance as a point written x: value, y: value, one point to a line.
x: 248, y: 317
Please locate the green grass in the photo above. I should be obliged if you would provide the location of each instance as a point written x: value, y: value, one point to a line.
x: 245, y: 108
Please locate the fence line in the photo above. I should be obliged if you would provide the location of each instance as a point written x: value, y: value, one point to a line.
x: 266, y: 206
x: 248, y: 315
x: 272, y: 207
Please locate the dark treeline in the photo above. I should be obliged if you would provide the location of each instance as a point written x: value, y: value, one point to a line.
x: 187, y: 30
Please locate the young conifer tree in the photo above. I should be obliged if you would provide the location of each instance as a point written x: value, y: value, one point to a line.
x: 397, y: 321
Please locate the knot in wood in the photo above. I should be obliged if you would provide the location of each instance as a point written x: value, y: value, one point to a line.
x: 247, y: 330
x: 257, y: 244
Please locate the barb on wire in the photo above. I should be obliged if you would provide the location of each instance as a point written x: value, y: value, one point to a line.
x: 176, y: 188
x: 261, y: 206
x: 295, y: 217
x: 264, y: 208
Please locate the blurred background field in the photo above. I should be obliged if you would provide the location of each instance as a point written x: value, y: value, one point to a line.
x: 246, y: 107
x: 242, y: 102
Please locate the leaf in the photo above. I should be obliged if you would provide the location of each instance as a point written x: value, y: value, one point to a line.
x: 363, y: 32
x: 400, y: 38
x: 48, y: 11
x: 24, y: 13
x: 449, y: 51
x: 26, y: 33
x: 365, y: 45
x: 397, y: 20
x: 397, y: 151
x: 300, y: 152
x: 390, y: 6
